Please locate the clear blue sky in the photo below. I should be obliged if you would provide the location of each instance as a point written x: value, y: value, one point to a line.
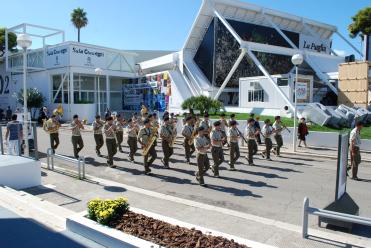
x: 157, y: 24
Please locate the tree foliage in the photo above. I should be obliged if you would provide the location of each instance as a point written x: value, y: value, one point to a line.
x: 35, y: 99
x: 12, y: 41
x: 79, y: 20
x: 361, y: 24
x: 202, y: 104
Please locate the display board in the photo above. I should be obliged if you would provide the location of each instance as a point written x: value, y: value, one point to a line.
x: 342, y: 163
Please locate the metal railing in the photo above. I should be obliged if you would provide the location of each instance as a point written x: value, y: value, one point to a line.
x: 80, y: 162
x: 32, y: 139
x: 307, y: 210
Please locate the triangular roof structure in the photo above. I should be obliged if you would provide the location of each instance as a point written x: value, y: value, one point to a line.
x: 246, y: 12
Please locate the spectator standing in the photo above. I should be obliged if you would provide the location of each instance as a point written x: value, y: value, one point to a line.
x: 8, y: 115
x: 257, y: 128
x: 15, y: 135
x: 355, y: 154
x: 302, y: 132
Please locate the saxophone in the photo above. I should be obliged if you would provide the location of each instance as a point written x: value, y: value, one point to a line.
x: 173, y: 137
x: 152, y: 138
x: 194, y: 133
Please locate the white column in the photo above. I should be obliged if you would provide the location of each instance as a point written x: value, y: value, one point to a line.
x: 72, y: 100
x: 25, y: 109
x: 108, y: 91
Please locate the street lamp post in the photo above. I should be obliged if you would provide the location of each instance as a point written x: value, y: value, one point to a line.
x: 297, y: 60
x: 99, y: 72
x: 24, y: 41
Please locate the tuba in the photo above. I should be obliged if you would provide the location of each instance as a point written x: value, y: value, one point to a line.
x: 152, y: 138
x: 194, y: 133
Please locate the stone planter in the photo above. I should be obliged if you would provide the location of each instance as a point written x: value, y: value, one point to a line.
x: 111, y: 237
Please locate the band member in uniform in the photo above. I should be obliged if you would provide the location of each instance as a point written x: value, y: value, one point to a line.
x: 167, y: 136
x: 217, y: 140
x: 187, y: 132
x: 52, y: 126
x: 277, y: 128
x: 267, y: 132
x: 251, y: 134
x: 135, y: 119
x: 207, y: 125
x: 232, y: 118
x: 120, y: 123
x: 234, y: 149
x: 355, y: 143
x: 202, y: 145
x: 257, y: 128
x: 143, y: 138
x: 223, y: 126
x: 110, y: 130
x: 98, y: 134
x: 132, y: 130
x: 77, y: 141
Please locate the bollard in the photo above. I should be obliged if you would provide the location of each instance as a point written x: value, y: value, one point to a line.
x: 36, y: 150
x: 83, y: 167
x: 305, y: 218
x: 48, y: 158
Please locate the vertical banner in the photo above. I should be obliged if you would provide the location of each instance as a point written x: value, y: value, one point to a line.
x: 342, y: 163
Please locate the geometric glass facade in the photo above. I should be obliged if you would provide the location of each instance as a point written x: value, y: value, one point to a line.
x: 219, y: 51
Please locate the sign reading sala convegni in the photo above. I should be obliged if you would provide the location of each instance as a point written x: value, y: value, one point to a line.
x: 315, y: 45
x: 74, y: 55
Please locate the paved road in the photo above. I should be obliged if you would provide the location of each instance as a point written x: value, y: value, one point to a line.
x: 270, y: 189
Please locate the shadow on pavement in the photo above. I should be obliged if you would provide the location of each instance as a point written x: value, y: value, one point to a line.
x: 40, y: 190
x: 21, y: 232
x: 233, y: 191
x: 248, y: 182
x: 114, y: 189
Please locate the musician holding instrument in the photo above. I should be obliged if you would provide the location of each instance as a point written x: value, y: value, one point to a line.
x: 132, y: 130
x: 234, y: 149
x: 109, y: 130
x: 251, y: 133
x: 76, y: 139
x: 277, y: 128
x: 167, y: 136
x: 52, y: 126
x: 206, y: 124
x: 202, y: 145
x: 267, y: 132
x: 223, y: 126
x: 145, y: 138
x: 98, y: 125
x: 120, y: 123
x: 189, y: 133
x: 217, y: 140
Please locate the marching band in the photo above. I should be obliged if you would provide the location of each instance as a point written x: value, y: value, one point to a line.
x: 200, y: 136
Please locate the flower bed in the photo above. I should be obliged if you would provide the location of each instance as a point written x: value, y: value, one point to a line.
x: 167, y: 235
x: 116, y: 214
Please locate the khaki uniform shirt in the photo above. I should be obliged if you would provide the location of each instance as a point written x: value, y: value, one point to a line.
x: 132, y: 130
x: 205, y: 124
x: 97, y: 127
x: 75, y: 129
x: 223, y: 125
x: 144, y: 135
x: 233, y: 135
x: 250, y: 132
x: 53, y: 125
x: 166, y: 131
x: 200, y: 142
x: 267, y: 131
x: 109, y: 131
x: 216, y: 135
x: 356, y: 137
x: 187, y: 131
x: 277, y: 126
x: 119, y: 126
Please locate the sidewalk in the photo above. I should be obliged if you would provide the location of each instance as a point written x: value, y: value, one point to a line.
x: 74, y: 195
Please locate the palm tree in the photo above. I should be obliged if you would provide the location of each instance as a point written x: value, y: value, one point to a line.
x: 79, y: 20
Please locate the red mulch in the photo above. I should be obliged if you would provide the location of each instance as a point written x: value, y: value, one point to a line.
x: 168, y: 235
